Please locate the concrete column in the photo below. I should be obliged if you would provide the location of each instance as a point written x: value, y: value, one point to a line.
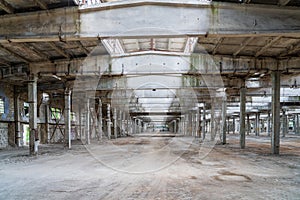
x: 115, y: 118
x: 108, y: 122
x: 224, y: 113
x: 275, y: 138
x: 68, y: 117
x: 141, y: 126
x: 198, y: 122
x: 242, y: 116
x: 233, y: 125
x: 127, y: 124
x: 228, y: 125
x: 257, y: 127
x: 212, y: 122
x: 192, y: 124
x: 87, y: 121
x: 248, y: 125
x: 80, y: 123
x: 296, y: 124
x: 32, y: 99
x: 17, y: 118
x: 186, y: 125
x: 183, y: 125
x: 269, y: 124
x: 133, y: 126
x: 175, y: 128
x: 284, y: 124
x: 123, y: 123
x: 136, y: 126
x: 100, y: 125
x: 47, y: 109
x: 204, y: 123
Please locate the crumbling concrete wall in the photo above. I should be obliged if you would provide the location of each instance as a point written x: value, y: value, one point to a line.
x: 7, y: 118
x: 3, y: 135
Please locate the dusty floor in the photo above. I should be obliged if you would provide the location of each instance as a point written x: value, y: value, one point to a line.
x: 154, y: 168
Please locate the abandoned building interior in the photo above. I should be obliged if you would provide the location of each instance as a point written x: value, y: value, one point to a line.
x: 201, y: 97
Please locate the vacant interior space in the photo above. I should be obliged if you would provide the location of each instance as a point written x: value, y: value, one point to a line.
x: 149, y: 99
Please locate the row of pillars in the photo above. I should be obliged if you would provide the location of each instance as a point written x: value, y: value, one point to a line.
x: 189, y: 124
x: 265, y: 124
x: 117, y: 123
x: 275, y: 135
x: 119, y: 120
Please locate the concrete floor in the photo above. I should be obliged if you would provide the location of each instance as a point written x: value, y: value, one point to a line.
x: 154, y: 168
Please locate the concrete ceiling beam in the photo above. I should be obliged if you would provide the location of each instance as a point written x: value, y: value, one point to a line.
x: 58, y: 50
x: 13, y: 53
x: 41, y: 4
x: 197, y: 64
x: 6, y: 7
x: 283, y: 2
x: 113, y: 21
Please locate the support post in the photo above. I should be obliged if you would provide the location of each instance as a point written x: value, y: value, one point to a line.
x: 269, y: 123
x: 197, y: 122
x: 80, y: 123
x: 212, y: 122
x: 228, y: 125
x: 248, y: 124
x: 115, y: 117
x: 68, y: 116
x: 47, y: 122
x: 17, y: 118
x: 175, y: 131
x: 297, y: 130
x: 100, y: 119
x: 224, y: 113
x: 108, y: 122
x: 257, y: 127
x: 284, y: 123
x: 275, y: 139
x: 127, y: 124
x: 32, y: 99
x: 87, y: 129
x: 233, y: 125
x: 242, y: 116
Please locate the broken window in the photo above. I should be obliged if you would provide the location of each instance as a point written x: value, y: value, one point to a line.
x: 1, y: 105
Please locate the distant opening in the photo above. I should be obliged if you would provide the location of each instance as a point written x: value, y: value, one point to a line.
x: 73, y: 117
x: 55, y: 113
x: 1, y: 105
x: 26, y: 134
x: 26, y: 109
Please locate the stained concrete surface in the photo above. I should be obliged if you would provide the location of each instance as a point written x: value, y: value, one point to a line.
x: 154, y: 168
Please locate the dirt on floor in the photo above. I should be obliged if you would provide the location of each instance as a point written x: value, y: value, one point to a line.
x: 154, y: 168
